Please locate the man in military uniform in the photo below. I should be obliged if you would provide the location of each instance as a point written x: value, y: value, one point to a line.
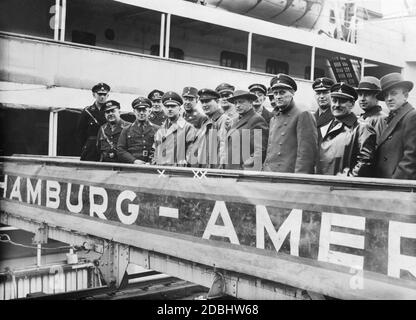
x: 135, y: 144
x: 157, y: 115
x: 193, y: 116
x: 208, y: 148
x: 175, y: 135
x: 260, y: 91
x: 109, y: 133
x: 323, y: 115
x: 226, y: 91
x: 348, y: 147
x: 90, y: 121
x: 367, y: 91
x: 293, y: 136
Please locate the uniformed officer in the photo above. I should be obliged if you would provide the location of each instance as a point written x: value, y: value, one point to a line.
x: 193, y: 116
x: 135, y: 144
x: 175, y: 135
x: 270, y: 94
x: 90, y: 121
x: 158, y: 114
x: 293, y: 136
x: 260, y: 91
x: 226, y: 91
x: 323, y: 115
x: 109, y: 133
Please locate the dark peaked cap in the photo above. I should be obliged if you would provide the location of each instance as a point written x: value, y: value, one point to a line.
x: 343, y: 90
x: 282, y: 80
x: 100, y: 87
x: 322, y: 84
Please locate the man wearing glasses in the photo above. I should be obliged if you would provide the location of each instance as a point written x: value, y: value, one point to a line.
x: 109, y: 133
x: 90, y: 121
x: 135, y: 144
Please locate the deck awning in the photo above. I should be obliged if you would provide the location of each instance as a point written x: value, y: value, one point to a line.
x: 52, y: 98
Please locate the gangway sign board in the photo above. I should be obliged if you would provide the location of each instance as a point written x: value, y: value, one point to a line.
x: 336, y: 236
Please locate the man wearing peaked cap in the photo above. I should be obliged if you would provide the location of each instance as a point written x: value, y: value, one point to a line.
x: 323, y: 115
x: 109, y: 132
x: 208, y: 148
x: 270, y: 95
x: 191, y: 114
x: 175, y: 135
x: 135, y: 144
x: 225, y: 91
x: 396, y: 152
x: 367, y: 91
x: 260, y: 91
x: 348, y: 146
x: 90, y: 121
x: 157, y: 114
x: 242, y: 136
x: 293, y: 136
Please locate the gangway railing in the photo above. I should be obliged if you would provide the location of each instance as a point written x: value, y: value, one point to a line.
x: 253, y: 234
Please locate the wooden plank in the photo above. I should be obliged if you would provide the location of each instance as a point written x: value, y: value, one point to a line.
x: 302, y: 273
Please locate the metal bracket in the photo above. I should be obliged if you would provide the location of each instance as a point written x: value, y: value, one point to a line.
x: 41, y: 235
x: 113, y: 263
x: 218, y: 286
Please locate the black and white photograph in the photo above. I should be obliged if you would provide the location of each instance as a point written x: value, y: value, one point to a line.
x: 224, y: 152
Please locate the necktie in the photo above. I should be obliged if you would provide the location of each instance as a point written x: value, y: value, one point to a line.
x: 390, y: 116
x: 333, y: 124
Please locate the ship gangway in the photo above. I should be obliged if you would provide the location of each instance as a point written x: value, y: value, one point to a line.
x: 246, y: 234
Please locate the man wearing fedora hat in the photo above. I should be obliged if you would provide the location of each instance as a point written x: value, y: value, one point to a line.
x: 293, y: 136
x: 367, y: 91
x: 135, y: 144
x: 109, y: 132
x: 396, y: 151
x: 90, y: 121
x: 348, y: 146
x: 246, y: 140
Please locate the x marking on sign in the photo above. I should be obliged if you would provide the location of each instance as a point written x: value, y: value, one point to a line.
x: 200, y: 174
x: 161, y: 173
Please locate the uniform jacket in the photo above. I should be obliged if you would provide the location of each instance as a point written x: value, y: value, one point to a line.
x: 89, y: 122
x: 208, y: 148
x: 195, y: 118
x: 348, y: 148
x: 248, y: 154
x: 107, y: 141
x: 136, y: 142
x: 396, y: 152
x: 375, y: 118
x: 293, y: 141
x: 173, y: 141
x: 157, y: 118
x: 322, y: 121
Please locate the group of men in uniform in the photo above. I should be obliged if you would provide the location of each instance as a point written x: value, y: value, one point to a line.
x: 237, y: 131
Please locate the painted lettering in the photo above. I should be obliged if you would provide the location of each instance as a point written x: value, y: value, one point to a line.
x: 133, y: 209
x: 396, y: 260
x: 97, y: 208
x: 33, y: 195
x: 16, y: 190
x: 3, y: 185
x: 292, y: 226
x: 53, y: 189
x: 75, y: 208
x: 328, y: 237
x: 227, y: 230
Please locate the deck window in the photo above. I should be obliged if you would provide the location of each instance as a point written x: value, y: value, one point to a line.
x: 233, y: 60
x: 275, y: 67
